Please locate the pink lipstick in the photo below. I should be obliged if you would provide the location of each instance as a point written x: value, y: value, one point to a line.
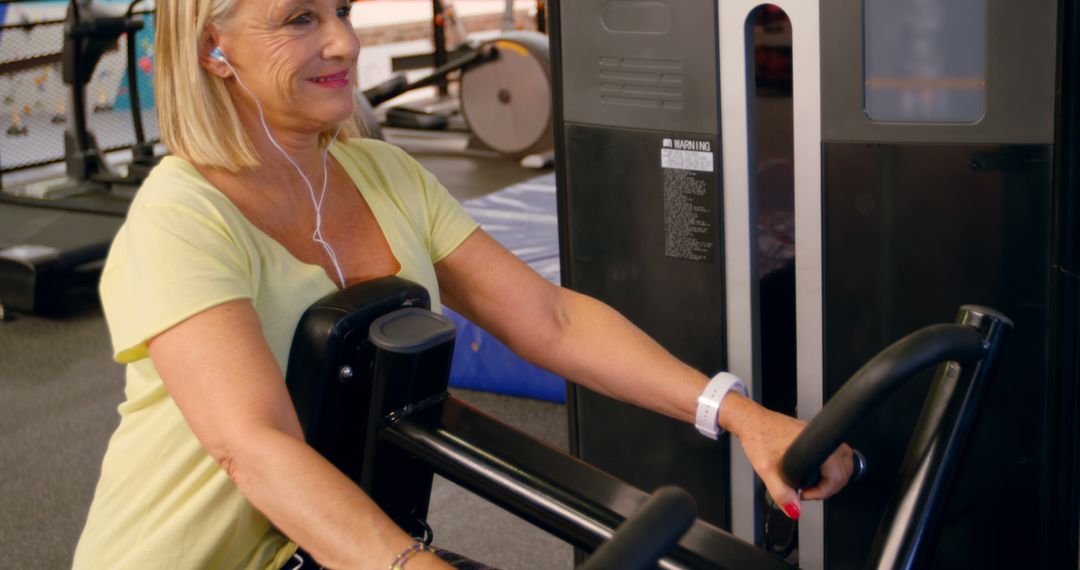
x: 332, y: 81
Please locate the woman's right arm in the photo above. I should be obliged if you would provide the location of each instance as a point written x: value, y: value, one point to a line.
x: 220, y: 372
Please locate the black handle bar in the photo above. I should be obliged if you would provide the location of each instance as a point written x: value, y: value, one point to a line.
x: 651, y: 532
x: 875, y: 382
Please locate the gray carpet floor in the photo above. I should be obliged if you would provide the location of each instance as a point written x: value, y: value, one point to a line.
x: 58, y: 395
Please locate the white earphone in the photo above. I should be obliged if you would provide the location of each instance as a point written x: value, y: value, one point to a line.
x: 217, y: 55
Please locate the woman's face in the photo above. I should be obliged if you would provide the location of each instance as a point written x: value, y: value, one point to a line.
x: 298, y: 57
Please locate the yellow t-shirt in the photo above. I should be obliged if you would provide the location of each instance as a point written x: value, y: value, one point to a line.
x: 162, y: 501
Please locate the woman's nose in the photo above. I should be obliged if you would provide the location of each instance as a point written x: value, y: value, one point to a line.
x: 342, y: 41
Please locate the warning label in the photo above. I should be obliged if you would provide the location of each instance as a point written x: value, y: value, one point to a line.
x: 688, y: 213
x: 686, y: 159
x: 690, y: 188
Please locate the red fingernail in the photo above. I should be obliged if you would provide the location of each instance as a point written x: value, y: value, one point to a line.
x: 792, y: 510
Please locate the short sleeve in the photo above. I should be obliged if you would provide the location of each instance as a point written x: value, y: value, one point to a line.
x: 168, y: 263
x: 449, y: 225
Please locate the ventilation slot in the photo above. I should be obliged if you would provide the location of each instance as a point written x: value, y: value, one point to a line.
x: 642, y: 83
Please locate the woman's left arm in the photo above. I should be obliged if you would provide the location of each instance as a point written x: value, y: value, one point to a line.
x: 578, y: 337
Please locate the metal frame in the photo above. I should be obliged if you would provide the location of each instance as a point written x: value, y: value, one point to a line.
x: 558, y: 493
x: 592, y: 128
x: 350, y: 387
x: 1064, y: 497
x: 397, y: 377
x: 743, y: 349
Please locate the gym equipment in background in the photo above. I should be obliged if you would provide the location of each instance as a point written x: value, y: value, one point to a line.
x: 507, y: 102
x: 46, y: 254
x: 90, y: 32
x: 54, y: 236
x: 504, y: 95
x: 503, y: 87
x: 368, y: 372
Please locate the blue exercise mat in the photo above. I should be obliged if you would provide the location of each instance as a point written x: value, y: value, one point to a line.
x: 523, y: 219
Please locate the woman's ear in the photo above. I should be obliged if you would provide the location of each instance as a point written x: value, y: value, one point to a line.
x: 211, y: 58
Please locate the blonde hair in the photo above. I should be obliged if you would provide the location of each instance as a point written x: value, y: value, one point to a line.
x: 196, y: 116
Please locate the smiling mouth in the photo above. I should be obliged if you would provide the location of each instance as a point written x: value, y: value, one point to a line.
x: 333, y: 78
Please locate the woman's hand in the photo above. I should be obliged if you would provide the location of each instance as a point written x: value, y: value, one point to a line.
x: 765, y: 436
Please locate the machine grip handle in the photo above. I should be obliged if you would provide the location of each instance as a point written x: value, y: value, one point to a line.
x: 859, y: 467
x: 871, y: 385
x: 646, y: 536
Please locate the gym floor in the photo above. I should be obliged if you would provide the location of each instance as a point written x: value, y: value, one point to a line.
x: 60, y: 388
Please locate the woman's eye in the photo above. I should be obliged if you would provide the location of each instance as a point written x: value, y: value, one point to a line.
x: 300, y: 20
x: 343, y: 11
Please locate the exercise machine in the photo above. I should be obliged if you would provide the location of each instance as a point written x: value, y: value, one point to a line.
x: 503, y: 95
x: 930, y: 144
x: 368, y: 372
x: 46, y: 253
x: 89, y: 183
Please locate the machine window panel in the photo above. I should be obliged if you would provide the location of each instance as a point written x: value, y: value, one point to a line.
x: 925, y: 60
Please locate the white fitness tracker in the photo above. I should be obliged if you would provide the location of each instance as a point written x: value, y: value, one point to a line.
x: 708, y: 403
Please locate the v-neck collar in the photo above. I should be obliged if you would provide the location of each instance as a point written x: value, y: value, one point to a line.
x: 365, y: 190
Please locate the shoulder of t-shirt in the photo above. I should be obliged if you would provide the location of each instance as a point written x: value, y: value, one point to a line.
x: 384, y: 160
x: 400, y: 178
x: 175, y: 185
x: 376, y: 148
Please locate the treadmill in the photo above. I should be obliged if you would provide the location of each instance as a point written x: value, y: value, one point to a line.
x: 46, y: 252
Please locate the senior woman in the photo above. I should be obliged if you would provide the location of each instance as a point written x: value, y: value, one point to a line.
x: 264, y: 207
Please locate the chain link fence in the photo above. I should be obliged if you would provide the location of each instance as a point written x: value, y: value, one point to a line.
x: 34, y: 99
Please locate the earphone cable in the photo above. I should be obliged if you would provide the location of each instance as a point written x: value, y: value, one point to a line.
x: 316, y: 236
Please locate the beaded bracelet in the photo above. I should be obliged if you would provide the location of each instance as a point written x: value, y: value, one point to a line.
x: 408, y: 554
